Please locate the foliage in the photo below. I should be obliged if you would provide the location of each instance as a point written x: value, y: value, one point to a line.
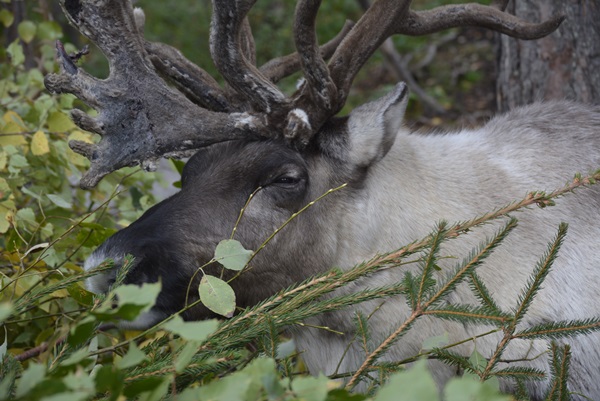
x: 59, y: 340
x: 47, y: 225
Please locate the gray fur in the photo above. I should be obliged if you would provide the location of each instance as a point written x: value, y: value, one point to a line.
x: 400, y: 184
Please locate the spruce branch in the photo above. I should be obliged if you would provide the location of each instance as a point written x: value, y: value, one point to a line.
x: 540, y: 273
x: 559, y: 368
x: 362, y: 331
x: 534, y: 284
x: 33, y: 297
x: 410, y: 290
x: 482, y: 293
x: 429, y: 263
x: 521, y: 393
x: 521, y: 373
x: 470, y: 263
x: 470, y: 314
x: 454, y: 359
x: 557, y: 330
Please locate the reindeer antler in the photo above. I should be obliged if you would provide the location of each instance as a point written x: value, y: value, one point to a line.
x: 141, y: 118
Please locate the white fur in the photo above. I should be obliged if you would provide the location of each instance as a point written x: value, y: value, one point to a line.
x: 454, y: 177
x: 99, y: 282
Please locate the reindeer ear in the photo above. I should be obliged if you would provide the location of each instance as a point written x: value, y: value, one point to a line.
x: 372, y: 127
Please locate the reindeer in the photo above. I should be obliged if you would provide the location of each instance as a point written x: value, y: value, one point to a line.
x: 249, y: 138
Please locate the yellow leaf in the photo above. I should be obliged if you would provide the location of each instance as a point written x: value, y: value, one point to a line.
x: 80, y: 136
x: 7, y: 211
x: 15, y: 140
x: 39, y: 144
x: 4, y: 220
x: 12, y: 117
x: 59, y: 122
x: 62, y: 293
x: 12, y: 124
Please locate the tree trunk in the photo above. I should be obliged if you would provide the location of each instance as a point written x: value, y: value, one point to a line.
x: 563, y: 65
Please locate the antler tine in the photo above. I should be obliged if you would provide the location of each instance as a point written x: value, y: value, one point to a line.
x: 189, y: 79
x: 247, y: 42
x: 473, y: 14
x: 120, y: 42
x: 362, y: 41
x: 278, y: 68
x: 227, y: 54
x: 318, y: 95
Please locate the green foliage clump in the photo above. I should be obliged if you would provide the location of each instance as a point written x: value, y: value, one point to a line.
x: 47, y: 225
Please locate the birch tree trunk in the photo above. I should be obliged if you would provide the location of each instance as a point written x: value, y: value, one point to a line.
x: 563, y: 65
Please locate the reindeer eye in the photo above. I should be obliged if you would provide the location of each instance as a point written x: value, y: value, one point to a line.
x: 286, y: 180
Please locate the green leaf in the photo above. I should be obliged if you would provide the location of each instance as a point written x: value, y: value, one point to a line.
x: 413, y: 384
x: 5, y: 216
x: 82, y: 332
x: 6, y: 17
x: 185, y: 354
x: 232, y: 255
x: 138, y: 295
x: 110, y: 380
x: 27, y: 31
x: 18, y: 162
x: 345, y: 395
x: 6, y: 309
x: 478, y: 360
x: 50, y: 30
x: 81, y: 295
x: 158, y: 393
x: 17, y: 57
x: 5, y: 189
x: 469, y: 388
x: 133, y: 390
x: 263, y: 372
x: 133, y: 357
x: 193, y: 331
x: 59, y: 201
x: 132, y: 300
x: 311, y: 388
x: 230, y: 388
x: 178, y: 164
x: 217, y: 295
x: 68, y: 396
x: 80, y: 383
x: 33, y: 375
x: 3, y: 160
x: 77, y: 357
x: 6, y: 384
x: 26, y: 215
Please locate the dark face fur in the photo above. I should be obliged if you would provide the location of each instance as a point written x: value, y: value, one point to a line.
x: 177, y: 236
